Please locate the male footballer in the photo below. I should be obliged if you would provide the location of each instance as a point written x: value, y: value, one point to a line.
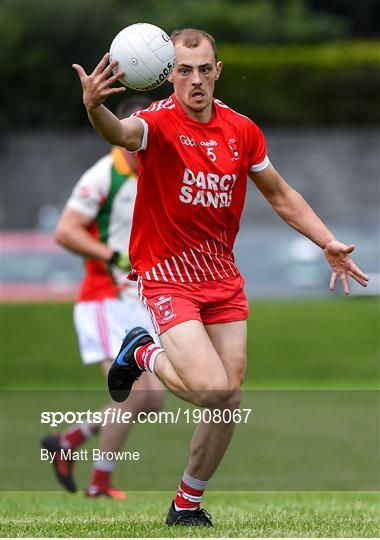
x: 195, y: 154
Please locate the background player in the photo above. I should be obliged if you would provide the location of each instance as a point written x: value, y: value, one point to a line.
x: 96, y: 224
x: 186, y: 273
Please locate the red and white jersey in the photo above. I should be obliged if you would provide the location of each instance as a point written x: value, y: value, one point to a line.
x: 191, y: 191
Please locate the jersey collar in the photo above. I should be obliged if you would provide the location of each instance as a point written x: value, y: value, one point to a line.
x: 189, y: 120
x: 120, y: 162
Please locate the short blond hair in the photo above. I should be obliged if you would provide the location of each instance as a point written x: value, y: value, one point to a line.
x: 191, y: 38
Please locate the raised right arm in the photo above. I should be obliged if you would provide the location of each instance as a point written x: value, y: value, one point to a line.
x: 96, y: 87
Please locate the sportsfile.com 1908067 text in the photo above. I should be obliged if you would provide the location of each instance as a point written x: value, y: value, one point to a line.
x: 112, y: 415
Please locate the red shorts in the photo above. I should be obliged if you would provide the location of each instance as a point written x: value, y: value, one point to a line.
x: 210, y: 302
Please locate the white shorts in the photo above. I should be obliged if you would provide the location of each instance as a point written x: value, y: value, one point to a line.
x: 101, y: 326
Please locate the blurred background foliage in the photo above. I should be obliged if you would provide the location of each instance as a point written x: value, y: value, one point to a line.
x: 275, y: 54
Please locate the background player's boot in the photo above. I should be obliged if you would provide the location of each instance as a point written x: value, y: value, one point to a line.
x: 124, y: 370
x: 63, y: 468
x: 192, y: 518
x: 111, y: 492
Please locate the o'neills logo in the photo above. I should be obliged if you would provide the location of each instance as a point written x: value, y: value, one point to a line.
x: 211, y: 142
x: 165, y: 308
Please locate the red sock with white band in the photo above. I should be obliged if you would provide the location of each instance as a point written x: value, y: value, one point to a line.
x: 146, y: 355
x: 101, y: 475
x: 75, y: 436
x: 189, y: 493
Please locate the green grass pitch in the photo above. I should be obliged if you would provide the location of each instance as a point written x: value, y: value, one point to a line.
x: 312, y: 345
x: 240, y: 514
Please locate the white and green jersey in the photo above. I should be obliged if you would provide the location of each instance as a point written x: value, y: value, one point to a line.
x: 106, y: 193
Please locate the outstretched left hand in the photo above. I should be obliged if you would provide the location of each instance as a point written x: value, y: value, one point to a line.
x: 338, y: 256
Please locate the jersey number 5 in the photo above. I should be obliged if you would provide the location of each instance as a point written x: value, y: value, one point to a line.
x: 211, y: 154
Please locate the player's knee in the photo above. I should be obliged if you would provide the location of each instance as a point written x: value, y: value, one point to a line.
x: 232, y: 400
x: 208, y: 391
x: 219, y: 399
x: 212, y: 396
x: 236, y: 377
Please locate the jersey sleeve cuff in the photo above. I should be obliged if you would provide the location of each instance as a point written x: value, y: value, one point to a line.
x: 144, y: 140
x: 260, y: 166
x: 82, y: 208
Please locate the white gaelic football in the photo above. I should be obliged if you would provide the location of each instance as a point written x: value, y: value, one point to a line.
x: 145, y: 54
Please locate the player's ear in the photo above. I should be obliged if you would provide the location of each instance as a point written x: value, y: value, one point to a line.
x: 219, y: 67
x: 170, y: 78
